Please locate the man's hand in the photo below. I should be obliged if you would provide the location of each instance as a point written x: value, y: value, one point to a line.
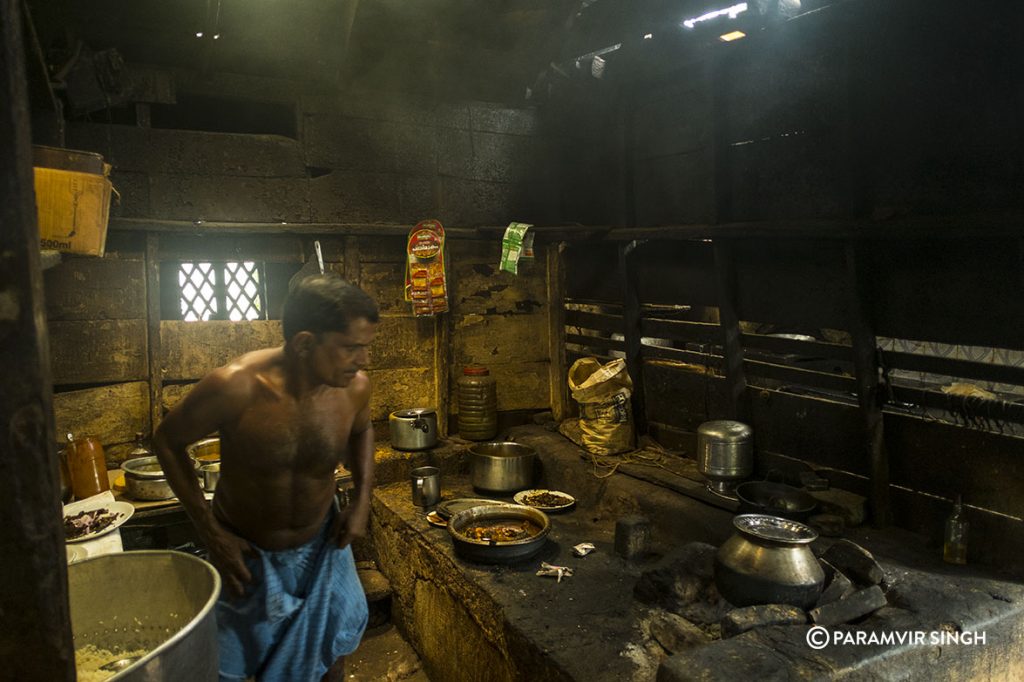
x: 351, y: 522
x: 227, y: 552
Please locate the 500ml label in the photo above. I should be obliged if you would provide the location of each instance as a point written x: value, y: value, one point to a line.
x: 53, y: 244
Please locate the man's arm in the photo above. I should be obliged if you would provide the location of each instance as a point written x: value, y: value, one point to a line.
x: 213, y: 402
x: 360, y: 448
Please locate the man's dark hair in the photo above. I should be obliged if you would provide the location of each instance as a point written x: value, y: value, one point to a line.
x: 325, y: 303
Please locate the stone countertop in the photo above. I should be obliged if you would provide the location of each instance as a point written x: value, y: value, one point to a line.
x: 590, y: 626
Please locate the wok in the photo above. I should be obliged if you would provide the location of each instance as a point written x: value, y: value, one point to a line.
x: 775, y: 499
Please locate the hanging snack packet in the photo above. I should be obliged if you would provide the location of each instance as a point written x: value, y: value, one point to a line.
x: 515, y: 245
x: 425, y: 283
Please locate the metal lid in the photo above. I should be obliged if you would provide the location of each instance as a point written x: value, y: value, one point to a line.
x: 414, y: 412
x: 725, y: 431
x: 775, y: 529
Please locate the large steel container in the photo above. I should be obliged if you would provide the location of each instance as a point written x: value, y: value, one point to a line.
x: 725, y: 454
x: 503, y: 467
x: 158, y: 601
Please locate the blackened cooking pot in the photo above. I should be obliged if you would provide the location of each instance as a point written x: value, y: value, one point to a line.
x: 776, y: 499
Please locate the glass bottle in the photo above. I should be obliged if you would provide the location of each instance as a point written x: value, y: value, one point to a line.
x: 478, y: 404
x: 954, y: 550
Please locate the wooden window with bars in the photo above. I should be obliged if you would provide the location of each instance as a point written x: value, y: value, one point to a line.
x: 226, y: 290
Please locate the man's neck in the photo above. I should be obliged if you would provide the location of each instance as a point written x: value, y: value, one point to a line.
x: 299, y: 381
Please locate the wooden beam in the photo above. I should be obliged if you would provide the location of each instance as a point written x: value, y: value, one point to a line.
x: 725, y: 271
x: 631, y: 332
x: 558, y: 374
x: 156, y: 376
x: 865, y: 360
x: 36, y: 642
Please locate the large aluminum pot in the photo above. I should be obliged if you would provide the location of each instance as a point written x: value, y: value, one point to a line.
x: 159, y: 601
x: 725, y: 454
x: 144, y: 479
x: 493, y: 552
x: 414, y: 429
x: 769, y: 561
x: 503, y: 467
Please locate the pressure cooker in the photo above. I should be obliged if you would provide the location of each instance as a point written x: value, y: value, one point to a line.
x: 414, y: 429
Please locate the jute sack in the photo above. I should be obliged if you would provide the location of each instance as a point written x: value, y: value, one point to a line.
x: 606, y: 420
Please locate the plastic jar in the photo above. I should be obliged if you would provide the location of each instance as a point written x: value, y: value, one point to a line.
x: 478, y: 404
x: 87, y: 467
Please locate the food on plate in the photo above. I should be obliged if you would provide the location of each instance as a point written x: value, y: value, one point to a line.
x: 501, y: 531
x: 547, y: 499
x: 87, y: 522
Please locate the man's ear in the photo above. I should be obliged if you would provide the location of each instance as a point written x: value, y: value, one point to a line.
x: 304, y: 342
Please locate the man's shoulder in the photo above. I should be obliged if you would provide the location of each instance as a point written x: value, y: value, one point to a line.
x: 244, y: 373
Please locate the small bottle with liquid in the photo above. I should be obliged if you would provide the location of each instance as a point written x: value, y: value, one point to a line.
x: 954, y: 549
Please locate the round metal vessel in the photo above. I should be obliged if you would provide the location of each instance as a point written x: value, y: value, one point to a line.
x: 203, y: 452
x: 725, y: 454
x: 491, y: 552
x: 776, y: 499
x: 769, y: 561
x: 414, y: 429
x: 503, y: 467
x: 144, y: 479
x: 159, y: 601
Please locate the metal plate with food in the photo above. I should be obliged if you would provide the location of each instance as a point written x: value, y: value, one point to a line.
x: 545, y: 500
x: 449, y: 508
x: 500, y: 533
x: 92, y: 523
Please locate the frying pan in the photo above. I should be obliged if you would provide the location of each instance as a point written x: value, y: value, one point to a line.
x: 775, y: 499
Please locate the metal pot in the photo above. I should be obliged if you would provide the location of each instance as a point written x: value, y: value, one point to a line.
x: 504, y: 467
x: 159, y: 601
x: 777, y: 499
x: 725, y: 454
x: 492, y: 552
x: 414, y: 429
x: 203, y: 452
x: 144, y: 479
x: 769, y: 561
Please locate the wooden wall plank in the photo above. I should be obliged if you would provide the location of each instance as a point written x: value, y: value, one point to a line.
x: 85, y: 351
x: 200, y: 247
x: 113, y: 414
x: 385, y: 283
x: 403, y: 342
x: 484, y: 290
x: 491, y: 339
x: 191, y: 349
x: 522, y: 385
x: 172, y: 395
x: 95, y: 289
x: 399, y: 389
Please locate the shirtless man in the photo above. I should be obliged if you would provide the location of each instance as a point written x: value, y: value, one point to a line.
x: 287, y: 417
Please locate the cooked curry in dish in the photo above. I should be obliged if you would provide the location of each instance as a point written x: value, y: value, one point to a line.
x: 501, y: 531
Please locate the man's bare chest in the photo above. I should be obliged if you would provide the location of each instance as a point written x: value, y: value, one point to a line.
x: 307, y: 438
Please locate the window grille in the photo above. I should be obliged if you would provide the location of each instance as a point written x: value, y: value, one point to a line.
x: 233, y: 290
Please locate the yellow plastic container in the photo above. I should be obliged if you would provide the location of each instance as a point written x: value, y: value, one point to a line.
x: 73, y: 209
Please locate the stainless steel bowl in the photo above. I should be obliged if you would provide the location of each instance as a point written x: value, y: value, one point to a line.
x: 492, y: 552
x: 503, y: 467
x: 158, y: 601
x: 144, y: 479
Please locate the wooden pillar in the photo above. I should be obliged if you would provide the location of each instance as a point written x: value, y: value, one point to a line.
x: 153, y: 308
x: 735, y: 374
x: 865, y: 361
x: 558, y: 372
x: 631, y: 332
x: 36, y: 638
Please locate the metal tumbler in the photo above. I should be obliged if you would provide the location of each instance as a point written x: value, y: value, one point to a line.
x: 426, y: 486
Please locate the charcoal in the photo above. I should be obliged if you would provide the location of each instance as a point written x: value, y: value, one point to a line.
x: 856, y: 562
x: 750, y: 617
x: 858, y: 604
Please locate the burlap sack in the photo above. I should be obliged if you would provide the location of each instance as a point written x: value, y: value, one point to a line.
x: 605, y: 426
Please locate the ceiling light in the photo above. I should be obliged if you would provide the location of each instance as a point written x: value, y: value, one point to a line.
x: 199, y: 34
x: 731, y: 12
x: 731, y: 36
x: 648, y: 36
x: 216, y: 36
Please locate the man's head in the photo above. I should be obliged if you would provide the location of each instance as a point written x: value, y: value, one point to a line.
x: 329, y: 324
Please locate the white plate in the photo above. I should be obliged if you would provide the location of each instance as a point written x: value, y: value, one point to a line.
x: 523, y: 496
x: 74, y: 553
x: 124, y: 511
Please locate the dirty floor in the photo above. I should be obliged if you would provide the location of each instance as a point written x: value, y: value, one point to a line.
x: 383, y: 656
